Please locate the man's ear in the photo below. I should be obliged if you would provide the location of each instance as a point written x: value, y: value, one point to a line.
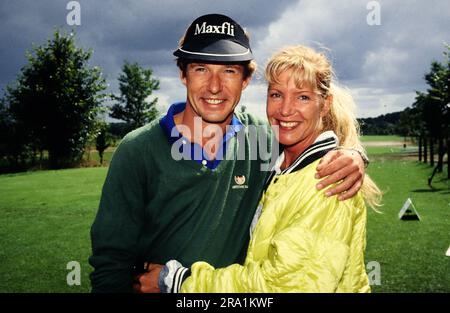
x: 327, y: 103
x: 182, y: 77
x: 246, y: 81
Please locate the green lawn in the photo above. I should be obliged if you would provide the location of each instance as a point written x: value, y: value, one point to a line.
x: 44, y: 224
x: 45, y: 219
x: 94, y: 159
x: 392, y: 152
x: 383, y: 138
x: 411, y: 253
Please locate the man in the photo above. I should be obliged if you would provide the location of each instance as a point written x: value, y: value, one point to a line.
x: 170, y: 193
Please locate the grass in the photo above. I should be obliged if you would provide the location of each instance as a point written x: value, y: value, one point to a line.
x: 383, y: 138
x: 376, y: 151
x: 44, y: 224
x: 93, y: 158
x: 45, y: 218
x: 411, y: 253
x: 392, y: 152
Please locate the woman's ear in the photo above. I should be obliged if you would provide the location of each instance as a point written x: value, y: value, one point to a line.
x: 327, y: 103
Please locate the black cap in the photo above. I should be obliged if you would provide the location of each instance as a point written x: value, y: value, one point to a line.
x: 215, y: 38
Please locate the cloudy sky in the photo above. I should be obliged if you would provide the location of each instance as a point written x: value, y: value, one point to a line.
x: 382, y: 64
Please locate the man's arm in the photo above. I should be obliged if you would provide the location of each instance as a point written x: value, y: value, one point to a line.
x: 118, y: 223
x: 346, y: 165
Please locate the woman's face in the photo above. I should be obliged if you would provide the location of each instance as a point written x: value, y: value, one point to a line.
x: 296, y: 112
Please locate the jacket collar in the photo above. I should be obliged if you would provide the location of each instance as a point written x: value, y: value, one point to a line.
x: 324, y: 143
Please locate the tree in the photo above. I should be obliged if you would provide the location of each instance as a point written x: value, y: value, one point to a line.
x: 420, y: 123
x: 56, y: 99
x: 5, y: 126
x: 103, y: 140
x: 433, y: 109
x: 14, y: 148
x: 437, y: 110
x: 446, y: 101
x: 411, y: 123
x: 135, y: 84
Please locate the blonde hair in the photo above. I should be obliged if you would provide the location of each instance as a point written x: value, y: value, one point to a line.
x: 313, y: 68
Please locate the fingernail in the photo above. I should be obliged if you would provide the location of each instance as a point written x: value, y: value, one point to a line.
x: 319, y: 186
x: 317, y: 176
x: 328, y: 193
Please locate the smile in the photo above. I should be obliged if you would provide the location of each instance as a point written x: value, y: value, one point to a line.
x: 214, y: 101
x: 288, y: 124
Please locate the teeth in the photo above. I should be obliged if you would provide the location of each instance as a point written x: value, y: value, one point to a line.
x: 214, y: 101
x: 288, y: 124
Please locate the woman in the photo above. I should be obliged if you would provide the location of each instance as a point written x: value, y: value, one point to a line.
x: 301, y: 241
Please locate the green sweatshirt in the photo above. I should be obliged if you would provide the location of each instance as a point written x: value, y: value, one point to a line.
x: 154, y: 208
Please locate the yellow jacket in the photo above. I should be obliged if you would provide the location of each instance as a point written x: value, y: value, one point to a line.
x: 303, y: 242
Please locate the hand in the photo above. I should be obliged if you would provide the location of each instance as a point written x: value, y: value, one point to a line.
x: 148, y: 282
x: 345, y: 165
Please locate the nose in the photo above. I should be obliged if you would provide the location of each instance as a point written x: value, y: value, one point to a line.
x: 286, y: 106
x: 215, y: 83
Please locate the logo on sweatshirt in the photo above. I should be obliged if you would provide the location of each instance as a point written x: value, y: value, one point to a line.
x: 240, y: 181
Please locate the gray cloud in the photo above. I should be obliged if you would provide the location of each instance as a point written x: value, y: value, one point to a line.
x: 391, y: 57
x: 143, y: 31
x: 383, y: 64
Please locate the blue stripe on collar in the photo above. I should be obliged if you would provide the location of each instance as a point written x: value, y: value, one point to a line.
x: 197, y: 153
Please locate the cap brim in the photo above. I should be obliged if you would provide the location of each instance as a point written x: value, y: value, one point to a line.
x: 216, y: 51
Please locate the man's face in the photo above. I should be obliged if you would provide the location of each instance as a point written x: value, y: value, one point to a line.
x: 214, y: 90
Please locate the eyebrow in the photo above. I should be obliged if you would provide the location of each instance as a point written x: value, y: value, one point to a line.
x: 298, y: 91
x: 226, y: 65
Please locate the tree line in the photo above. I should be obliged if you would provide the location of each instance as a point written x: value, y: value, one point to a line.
x: 57, y: 106
x: 58, y: 103
x: 385, y: 124
x: 428, y: 119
